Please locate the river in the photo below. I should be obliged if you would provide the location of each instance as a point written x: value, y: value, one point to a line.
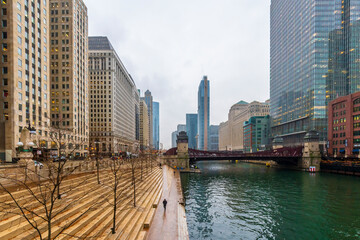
x: 248, y: 201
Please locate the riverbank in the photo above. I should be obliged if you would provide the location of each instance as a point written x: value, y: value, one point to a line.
x: 170, y: 223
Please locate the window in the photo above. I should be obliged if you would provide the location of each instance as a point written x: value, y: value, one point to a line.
x: 4, y: 58
x: 19, y: 51
x: 20, y: 118
x: 18, y: 6
x: 20, y: 85
x: 4, y: 23
x: 4, y: 12
x: 19, y: 74
x: 19, y: 17
x: 19, y: 28
x: 20, y: 96
x: 19, y: 62
x: 20, y: 107
x: 5, y: 82
x: 4, y: 47
x: 19, y: 40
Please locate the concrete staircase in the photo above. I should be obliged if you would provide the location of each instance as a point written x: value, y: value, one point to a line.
x: 96, y: 222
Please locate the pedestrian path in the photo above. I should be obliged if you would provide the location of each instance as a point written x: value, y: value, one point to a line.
x: 165, y: 225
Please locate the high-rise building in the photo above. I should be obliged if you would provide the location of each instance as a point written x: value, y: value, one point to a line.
x: 25, y: 73
x: 214, y: 138
x: 149, y: 102
x: 203, y: 113
x: 231, y: 135
x: 69, y: 72
x: 144, y: 126
x: 156, y: 125
x: 173, y: 139
x: 257, y: 133
x: 192, y: 129
x: 114, y: 100
x: 313, y: 59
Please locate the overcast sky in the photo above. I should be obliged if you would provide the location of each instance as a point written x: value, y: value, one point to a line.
x: 167, y: 46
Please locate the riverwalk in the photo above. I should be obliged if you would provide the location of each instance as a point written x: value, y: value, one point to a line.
x: 170, y: 224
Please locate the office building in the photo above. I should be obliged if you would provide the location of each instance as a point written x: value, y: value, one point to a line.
x: 149, y: 102
x: 344, y: 126
x: 214, y: 138
x: 114, y: 101
x: 144, y: 126
x: 69, y: 73
x: 313, y: 59
x: 192, y: 129
x: 156, y: 125
x: 231, y: 132
x: 25, y: 73
x: 203, y: 113
x: 173, y: 139
x: 257, y: 134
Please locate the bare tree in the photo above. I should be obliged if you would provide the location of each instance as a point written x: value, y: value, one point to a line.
x: 133, y: 163
x: 40, y: 205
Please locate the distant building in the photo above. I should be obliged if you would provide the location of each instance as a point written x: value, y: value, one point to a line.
x: 144, y: 126
x: 214, y: 138
x: 203, y: 113
x: 344, y: 125
x: 179, y: 128
x: 231, y: 136
x: 149, y: 102
x: 257, y: 133
x: 173, y: 139
x: 156, y: 125
x: 114, y: 100
x: 192, y: 129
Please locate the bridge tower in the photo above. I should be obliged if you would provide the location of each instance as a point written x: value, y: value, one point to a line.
x: 311, y: 153
x: 183, y: 150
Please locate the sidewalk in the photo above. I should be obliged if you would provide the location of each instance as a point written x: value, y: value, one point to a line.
x: 165, y: 225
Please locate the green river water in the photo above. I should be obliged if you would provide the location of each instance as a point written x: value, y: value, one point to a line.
x: 247, y: 201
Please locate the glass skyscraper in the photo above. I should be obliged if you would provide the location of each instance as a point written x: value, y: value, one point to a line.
x: 203, y: 113
x: 314, y: 57
x: 192, y: 128
x: 156, y: 125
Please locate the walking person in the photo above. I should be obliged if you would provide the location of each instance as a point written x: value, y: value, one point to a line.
x: 164, y: 203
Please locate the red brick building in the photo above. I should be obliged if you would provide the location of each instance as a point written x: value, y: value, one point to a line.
x: 344, y: 125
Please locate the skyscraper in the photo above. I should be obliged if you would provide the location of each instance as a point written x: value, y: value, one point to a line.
x: 313, y: 58
x: 144, y: 126
x: 156, y: 126
x: 69, y: 71
x: 114, y: 100
x: 192, y: 129
x: 203, y: 113
x: 25, y: 73
x: 149, y: 102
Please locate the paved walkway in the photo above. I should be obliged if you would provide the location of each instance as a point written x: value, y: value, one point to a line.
x: 165, y: 223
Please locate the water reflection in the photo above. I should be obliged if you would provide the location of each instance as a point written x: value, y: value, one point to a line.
x: 244, y: 201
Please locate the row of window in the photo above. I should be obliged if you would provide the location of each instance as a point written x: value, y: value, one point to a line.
x: 341, y: 120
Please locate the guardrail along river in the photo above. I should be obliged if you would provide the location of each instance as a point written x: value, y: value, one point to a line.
x: 247, y: 201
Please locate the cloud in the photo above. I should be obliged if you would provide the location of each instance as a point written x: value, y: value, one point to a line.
x: 167, y: 46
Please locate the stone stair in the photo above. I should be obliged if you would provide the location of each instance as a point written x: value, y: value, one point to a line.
x: 96, y: 223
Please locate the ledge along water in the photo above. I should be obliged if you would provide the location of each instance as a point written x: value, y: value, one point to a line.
x: 248, y: 201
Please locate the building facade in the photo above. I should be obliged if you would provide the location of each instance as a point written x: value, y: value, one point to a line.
x: 192, y: 129
x: 25, y: 73
x: 114, y: 101
x: 214, y: 138
x: 231, y: 132
x: 203, y: 113
x: 69, y: 73
x: 149, y: 102
x: 344, y: 126
x: 156, y: 125
x: 257, y: 134
x: 314, y: 53
x: 144, y: 126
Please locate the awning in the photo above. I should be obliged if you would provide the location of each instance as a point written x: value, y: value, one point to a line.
x: 355, y: 150
x: 342, y: 151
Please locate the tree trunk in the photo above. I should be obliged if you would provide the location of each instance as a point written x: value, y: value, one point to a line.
x: 114, y: 217
x: 97, y: 169
x: 49, y: 229
x: 134, y: 192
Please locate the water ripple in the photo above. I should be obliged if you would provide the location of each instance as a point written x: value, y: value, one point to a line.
x: 243, y: 201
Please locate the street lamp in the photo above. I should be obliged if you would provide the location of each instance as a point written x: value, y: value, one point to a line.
x: 97, y: 142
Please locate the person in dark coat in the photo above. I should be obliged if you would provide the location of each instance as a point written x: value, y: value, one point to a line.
x: 164, y: 203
